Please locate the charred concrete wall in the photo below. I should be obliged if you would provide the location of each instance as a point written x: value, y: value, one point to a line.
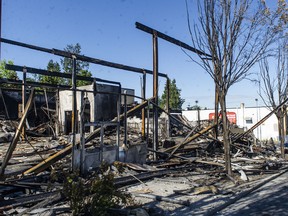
x: 100, y: 105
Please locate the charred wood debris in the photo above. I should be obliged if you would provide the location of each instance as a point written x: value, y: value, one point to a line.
x: 181, y: 173
x: 187, y: 175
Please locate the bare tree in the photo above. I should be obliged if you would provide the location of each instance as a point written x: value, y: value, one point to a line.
x: 275, y: 87
x: 237, y: 34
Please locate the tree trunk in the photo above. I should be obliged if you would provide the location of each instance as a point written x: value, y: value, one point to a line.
x: 226, y: 139
x: 281, y: 132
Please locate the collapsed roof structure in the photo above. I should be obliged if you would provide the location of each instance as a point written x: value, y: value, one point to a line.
x: 90, y: 125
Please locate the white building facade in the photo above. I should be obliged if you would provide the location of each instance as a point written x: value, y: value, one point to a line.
x: 246, y: 117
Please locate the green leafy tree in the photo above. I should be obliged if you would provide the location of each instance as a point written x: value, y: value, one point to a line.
x: 52, y: 67
x: 175, y: 100
x: 84, y: 73
x: 81, y: 66
x: 236, y: 34
x: 8, y: 74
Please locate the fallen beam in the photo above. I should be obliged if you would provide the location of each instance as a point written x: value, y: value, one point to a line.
x: 260, y: 122
x: 59, y: 155
x: 42, y: 204
x: 195, y: 136
x: 25, y: 200
x: 17, y: 135
x: 162, y: 198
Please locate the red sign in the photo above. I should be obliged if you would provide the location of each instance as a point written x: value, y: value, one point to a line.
x: 230, y: 115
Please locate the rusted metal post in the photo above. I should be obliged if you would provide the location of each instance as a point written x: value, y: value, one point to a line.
x: 198, y: 113
x: 143, y: 110
x: 74, y: 110
x: 24, y: 97
x: 125, y: 117
x: 168, y: 107
x: 155, y: 91
x: 148, y: 122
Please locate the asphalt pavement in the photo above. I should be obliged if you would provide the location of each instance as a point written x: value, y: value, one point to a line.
x: 270, y: 199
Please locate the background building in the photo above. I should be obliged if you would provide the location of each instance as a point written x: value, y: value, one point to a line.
x: 244, y: 117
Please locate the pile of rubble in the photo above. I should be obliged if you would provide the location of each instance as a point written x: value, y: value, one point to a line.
x: 188, y: 175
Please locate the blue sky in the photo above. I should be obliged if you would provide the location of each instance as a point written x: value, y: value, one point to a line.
x: 105, y: 29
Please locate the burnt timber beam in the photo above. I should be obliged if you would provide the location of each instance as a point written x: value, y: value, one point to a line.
x: 17, y: 134
x: 195, y: 136
x: 59, y: 155
x: 80, y: 57
x: 169, y: 39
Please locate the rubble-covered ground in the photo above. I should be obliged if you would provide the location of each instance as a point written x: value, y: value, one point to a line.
x: 187, y: 179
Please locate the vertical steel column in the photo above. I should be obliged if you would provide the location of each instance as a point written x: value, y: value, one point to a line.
x: 143, y: 110
x: 57, y: 122
x: 74, y: 110
x: 82, y: 134
x: 118, y: 121
x: 155, y: 91
x: 148, y: 122
x: 125, y: 117
x: 24, y: 98
x: 168, y: 107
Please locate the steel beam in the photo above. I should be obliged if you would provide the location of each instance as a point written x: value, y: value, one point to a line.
x: 55, y: 74
x: 169, y: 39
x: 80, y: 57
x: 155, y: 92
x: 24, y: 98
x: 143, y: 110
